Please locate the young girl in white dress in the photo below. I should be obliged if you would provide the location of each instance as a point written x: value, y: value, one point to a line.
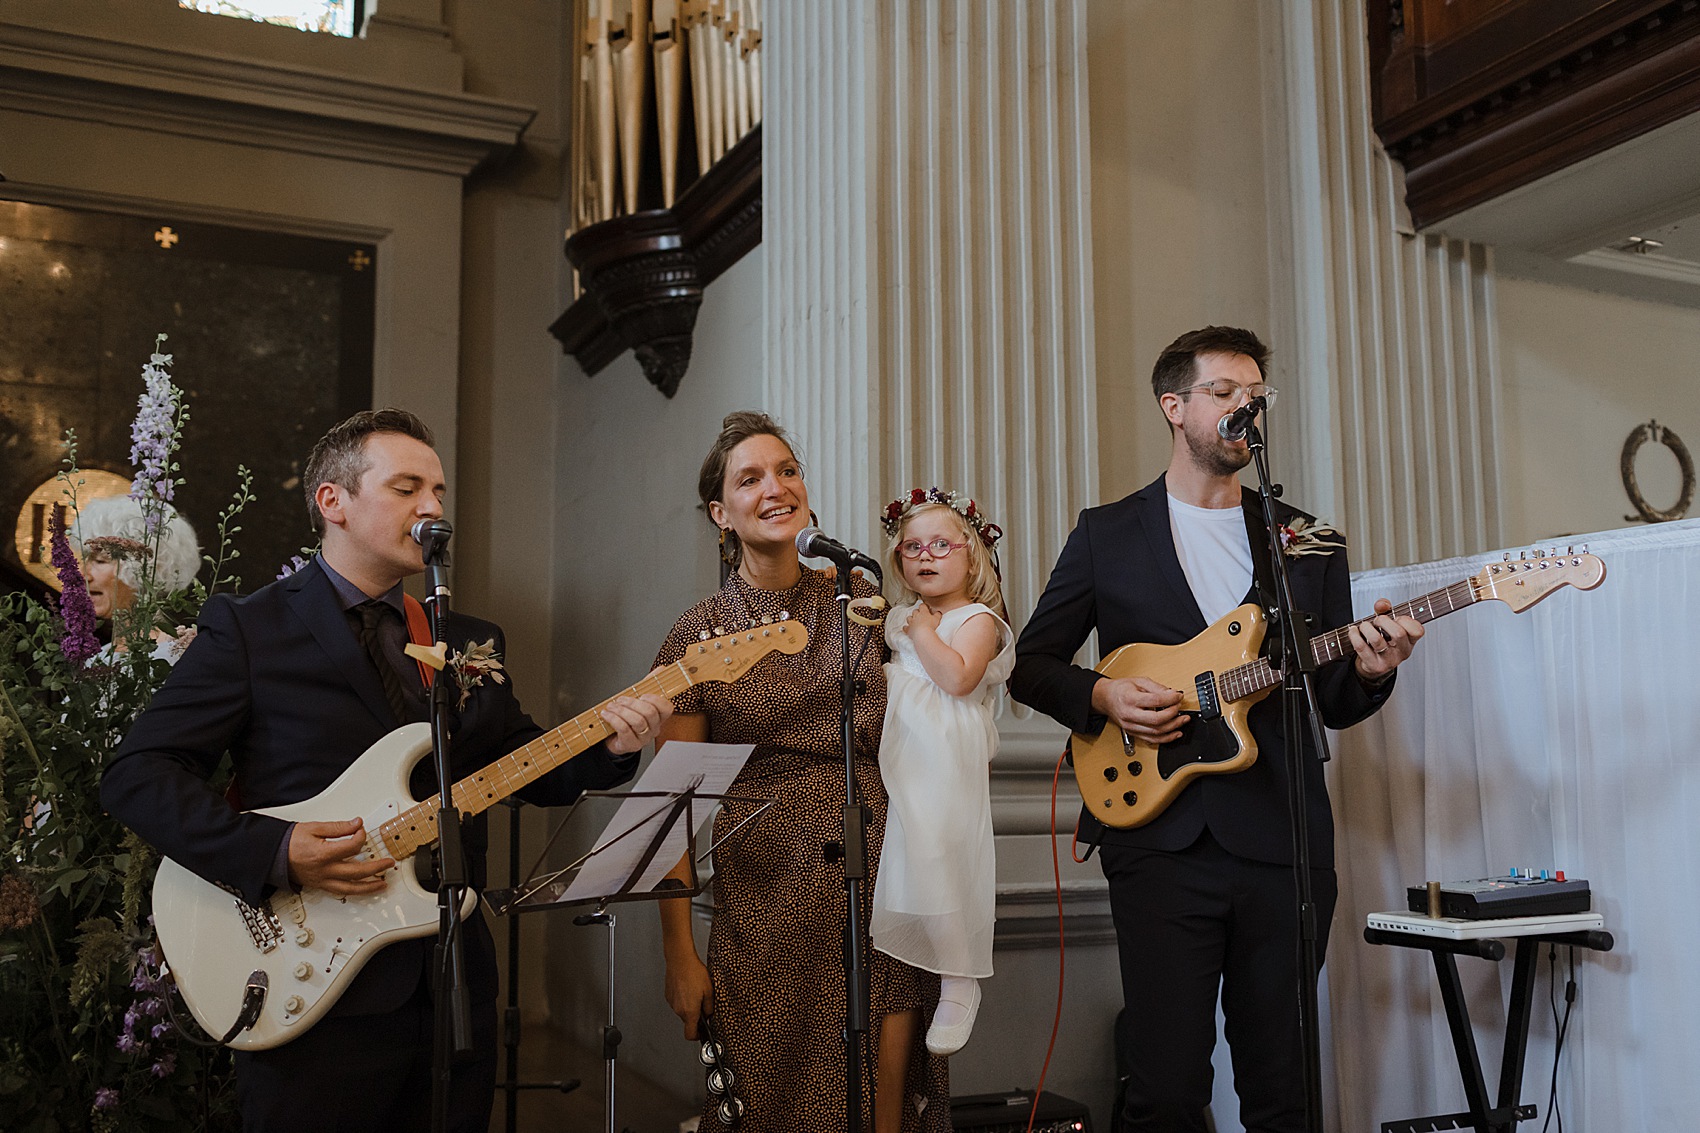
x: 951, y: 649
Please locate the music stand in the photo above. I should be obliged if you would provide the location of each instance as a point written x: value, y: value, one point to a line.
x: 635, y: 852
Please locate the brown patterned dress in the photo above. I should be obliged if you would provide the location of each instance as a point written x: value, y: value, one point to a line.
x: 775, y: 952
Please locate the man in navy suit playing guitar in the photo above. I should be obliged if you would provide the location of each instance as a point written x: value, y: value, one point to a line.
x: 295, y: 681
x: 1202, y: 895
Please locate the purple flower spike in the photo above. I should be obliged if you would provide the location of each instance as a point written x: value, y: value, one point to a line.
x: 166, y: 1064
x: 75, y: 609
x: 161, y: 1028
x: 127, y: 1042
x: 105, y: 1098
x: 153, y: 436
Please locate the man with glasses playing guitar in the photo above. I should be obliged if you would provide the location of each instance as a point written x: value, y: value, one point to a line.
x: 296, y: 681
x: 1202, y: 892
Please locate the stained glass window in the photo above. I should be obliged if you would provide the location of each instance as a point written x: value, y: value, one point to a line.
x: 336, y: 17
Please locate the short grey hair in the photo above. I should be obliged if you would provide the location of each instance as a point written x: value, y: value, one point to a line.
x: 178, y: 551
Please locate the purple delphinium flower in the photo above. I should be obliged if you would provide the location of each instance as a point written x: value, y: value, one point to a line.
x: 105, y: 1098
x: 161, y: 1028
x: 153, y: 435
x: 75, y: 609
x: 295, y: 563
x: 127, y: 1043
x: 166, y: 1064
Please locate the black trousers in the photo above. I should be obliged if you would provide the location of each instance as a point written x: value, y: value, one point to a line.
x: 1188, y: 924
x: 372, y: 1073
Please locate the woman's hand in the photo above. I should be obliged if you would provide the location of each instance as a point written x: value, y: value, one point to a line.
x: 689, y: 992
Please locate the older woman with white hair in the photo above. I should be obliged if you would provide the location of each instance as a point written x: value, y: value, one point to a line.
x: 111, y: 533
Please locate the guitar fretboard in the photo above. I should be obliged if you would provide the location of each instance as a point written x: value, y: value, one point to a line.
x: 416, y: 828
x: 1255, y: 676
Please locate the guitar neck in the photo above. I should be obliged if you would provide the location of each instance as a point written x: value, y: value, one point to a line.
x: 1252, y: 678
x: 416, y: 828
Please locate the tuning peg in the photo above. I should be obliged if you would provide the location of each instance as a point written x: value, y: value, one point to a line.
x: 785, y: 615
x: 703, y: 635
x: 767, y: 619
x: 1508, y: 556
x: 719, y: 631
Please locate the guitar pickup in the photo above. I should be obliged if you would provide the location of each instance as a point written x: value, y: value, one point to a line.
x: 1208, y: 707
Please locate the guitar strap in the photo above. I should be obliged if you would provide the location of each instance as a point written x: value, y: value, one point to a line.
x: 419, y: 632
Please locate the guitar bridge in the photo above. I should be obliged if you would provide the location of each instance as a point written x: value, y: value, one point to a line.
x: 263, y: 926
x: 1208, y: 706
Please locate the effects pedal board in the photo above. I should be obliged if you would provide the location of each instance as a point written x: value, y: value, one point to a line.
x: 1520, y: 893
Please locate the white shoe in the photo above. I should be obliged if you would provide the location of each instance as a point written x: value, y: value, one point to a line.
x: 948, y: 1038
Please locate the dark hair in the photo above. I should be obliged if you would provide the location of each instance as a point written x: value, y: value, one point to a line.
x: 737, y: 428
x: 1177, y: 365
x: 340, y: 455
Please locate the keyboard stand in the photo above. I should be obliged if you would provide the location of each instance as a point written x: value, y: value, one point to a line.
x: 1503, y: 1116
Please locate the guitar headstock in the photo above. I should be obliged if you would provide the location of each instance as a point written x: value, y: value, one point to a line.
x: 731, y: 655
x: 1525, y: 580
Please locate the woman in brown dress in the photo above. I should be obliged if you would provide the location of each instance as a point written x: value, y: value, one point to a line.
x: 774, y: 981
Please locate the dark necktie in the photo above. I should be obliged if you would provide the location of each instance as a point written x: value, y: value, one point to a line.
x: 372, y: 615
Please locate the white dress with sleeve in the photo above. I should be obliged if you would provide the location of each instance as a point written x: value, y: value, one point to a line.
x: 935, y: 896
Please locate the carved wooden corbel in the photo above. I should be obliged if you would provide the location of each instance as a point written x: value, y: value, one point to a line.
x: 642, y: 275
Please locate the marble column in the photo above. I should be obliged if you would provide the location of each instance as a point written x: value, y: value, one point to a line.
x: 929, y: 270
x: 1394, y: 429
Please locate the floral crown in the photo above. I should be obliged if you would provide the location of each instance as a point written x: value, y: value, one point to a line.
x: 897, y: 510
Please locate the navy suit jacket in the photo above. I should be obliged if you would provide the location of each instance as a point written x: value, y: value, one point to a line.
x: 1119, y: 575
x: 280, y: 681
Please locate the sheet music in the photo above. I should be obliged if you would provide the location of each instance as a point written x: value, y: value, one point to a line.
x: 678, y: 766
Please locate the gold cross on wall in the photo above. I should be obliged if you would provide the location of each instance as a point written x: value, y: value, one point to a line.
x: 359, y: 260
x: 166, y: 237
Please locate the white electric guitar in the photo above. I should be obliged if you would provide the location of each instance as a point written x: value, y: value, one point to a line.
x: 285, y: 961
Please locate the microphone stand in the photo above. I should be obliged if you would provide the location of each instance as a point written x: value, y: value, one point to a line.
x: 853, y: 852
x: 1298, y: 705
x: 452, y: 1032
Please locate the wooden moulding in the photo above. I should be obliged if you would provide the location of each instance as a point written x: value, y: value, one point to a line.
x: 1523, y: 90
x: 642, y: 276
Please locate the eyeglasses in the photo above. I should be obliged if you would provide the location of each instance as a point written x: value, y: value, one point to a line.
x: 1228, y: 394
x: 729, y: 1107
x: 938, y: 548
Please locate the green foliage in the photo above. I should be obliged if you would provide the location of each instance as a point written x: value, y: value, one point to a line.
x: 85, y: 1042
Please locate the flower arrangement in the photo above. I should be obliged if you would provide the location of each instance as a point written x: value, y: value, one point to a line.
x: 471, y: 667
x: 85, y: 1038
x: 896, y: 510
x: 1303, y: 537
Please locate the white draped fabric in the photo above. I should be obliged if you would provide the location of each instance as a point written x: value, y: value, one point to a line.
x: 1564, y: 737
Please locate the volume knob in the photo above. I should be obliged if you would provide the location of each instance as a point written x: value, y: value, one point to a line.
x: 304, y: 937
x: 294, y: 1005
x: 303, y: 970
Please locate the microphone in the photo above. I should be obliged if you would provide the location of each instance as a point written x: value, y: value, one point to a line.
x: 813, y: 543
x: 432, y: 535
x: 1233, y: 427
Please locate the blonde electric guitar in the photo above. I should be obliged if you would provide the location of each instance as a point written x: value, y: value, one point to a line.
x: 1127, y: 782
x: 294, y: 954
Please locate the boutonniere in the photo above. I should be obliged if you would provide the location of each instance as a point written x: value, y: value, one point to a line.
x: 470, y: 667
x: 1303, y: 537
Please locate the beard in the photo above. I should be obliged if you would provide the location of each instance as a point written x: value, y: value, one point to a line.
x: 1214, y: 456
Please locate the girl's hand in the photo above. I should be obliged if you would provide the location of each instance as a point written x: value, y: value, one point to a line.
x: 689, y: 992
x: 924, y: 617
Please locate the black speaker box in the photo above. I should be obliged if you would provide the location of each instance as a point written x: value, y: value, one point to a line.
x: 1008, y: 1113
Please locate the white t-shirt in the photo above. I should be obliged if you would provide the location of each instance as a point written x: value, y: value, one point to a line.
x: 1215, y: 554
